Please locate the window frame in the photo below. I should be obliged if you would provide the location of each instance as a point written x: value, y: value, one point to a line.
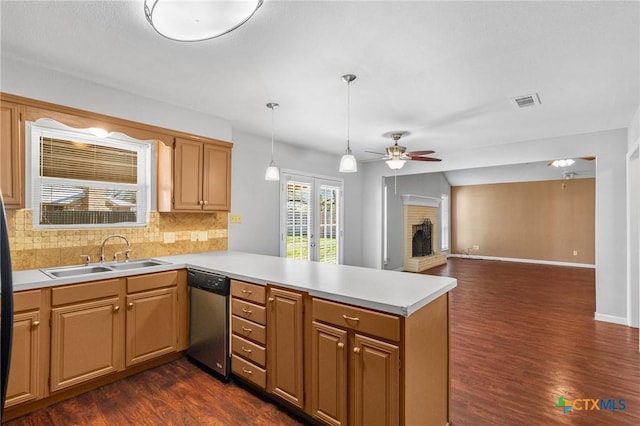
x: 145, y: 171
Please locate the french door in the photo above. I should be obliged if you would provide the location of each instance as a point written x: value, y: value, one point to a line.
x: 311, y: 218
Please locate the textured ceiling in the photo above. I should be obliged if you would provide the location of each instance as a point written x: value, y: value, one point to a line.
x: 444, y: 71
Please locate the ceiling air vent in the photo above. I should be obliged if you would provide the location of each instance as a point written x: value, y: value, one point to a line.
x: 526, y: 100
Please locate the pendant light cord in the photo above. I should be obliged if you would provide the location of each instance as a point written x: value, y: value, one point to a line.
x: 272, y: 125
x: 348, y: 116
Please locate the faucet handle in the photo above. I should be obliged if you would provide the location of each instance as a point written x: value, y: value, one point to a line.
x: 87, y: 259
x: 127, y: 253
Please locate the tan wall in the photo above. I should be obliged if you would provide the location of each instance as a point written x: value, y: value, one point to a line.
x: 527, y: 220
x: 36, y: 248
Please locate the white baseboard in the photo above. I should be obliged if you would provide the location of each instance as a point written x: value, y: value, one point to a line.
x: 611, y: 318
x: 513, y: 259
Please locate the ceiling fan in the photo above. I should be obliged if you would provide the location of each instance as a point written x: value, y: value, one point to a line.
x: 396, y: 155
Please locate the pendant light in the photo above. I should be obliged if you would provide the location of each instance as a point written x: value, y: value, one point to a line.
x: 272, y: 172
x: 348, y: 162
x: 198, y: 20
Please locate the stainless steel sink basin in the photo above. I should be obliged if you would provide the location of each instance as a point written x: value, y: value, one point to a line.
x: 134, y: 264
x: 72, y: 271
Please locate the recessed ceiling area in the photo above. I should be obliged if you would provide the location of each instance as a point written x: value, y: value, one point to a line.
x: 445, y: 71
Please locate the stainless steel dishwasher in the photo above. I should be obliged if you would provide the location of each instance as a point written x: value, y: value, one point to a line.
x: 209, y: 321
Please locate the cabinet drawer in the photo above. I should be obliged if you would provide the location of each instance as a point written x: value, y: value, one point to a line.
x: 151, y: 281
x: 251, y: 351
x: 249, y: 371
x: 358, y: 319
x: 86, y: 291
x: 249, y: 330
x: 251, y: 292
x: 249, y: 311
x: 26, y: 300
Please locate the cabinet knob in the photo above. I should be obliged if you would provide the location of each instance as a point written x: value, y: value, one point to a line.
x: 130, y: 305
x: 35, y: 323
x: 116, y: 308
x: 340, y: 345
x: 206, y: 202
x: 201, y: 202
x: 356, y: 350
x: 271, y: 299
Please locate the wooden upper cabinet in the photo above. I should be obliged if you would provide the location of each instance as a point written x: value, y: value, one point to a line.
x: 202, y: 175
x: 11, y: 156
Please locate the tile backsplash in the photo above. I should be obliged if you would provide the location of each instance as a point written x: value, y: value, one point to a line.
x: 166, y: 234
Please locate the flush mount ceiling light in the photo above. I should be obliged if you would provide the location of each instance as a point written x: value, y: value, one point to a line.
x: 197, y: 20
x: 348, y: 162
x: 562, y: 163
x: 272, y: 172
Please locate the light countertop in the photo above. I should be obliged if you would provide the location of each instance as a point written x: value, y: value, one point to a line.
x: 400, y: 293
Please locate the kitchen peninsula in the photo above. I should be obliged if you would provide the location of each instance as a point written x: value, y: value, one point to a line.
x: 343, y: 344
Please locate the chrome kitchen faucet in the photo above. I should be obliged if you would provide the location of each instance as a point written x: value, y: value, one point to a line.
x: 127, y: 252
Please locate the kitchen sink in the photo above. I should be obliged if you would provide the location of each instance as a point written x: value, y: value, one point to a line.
x: 72, y: 271
x: 134, y: 264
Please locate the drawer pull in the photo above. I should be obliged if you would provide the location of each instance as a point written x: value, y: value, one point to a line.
x: 247, y: 329
x: 246, y: 350
x: 271, y: 299
x: 247, y: 311
x: 356, y: 350
x: 348, y: 318
x: 246, y: 291
x: 340, y: 345
x: 245, y: 371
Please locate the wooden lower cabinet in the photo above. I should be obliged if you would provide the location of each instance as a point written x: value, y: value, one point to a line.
x: 285, y: 345
x: 151, y: 325
x: 329, y: 374
x: 27, y: 373
x: 376, y: 376
x: 86, y: 341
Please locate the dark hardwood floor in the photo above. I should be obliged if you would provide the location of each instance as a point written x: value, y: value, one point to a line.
x: 522, y: 336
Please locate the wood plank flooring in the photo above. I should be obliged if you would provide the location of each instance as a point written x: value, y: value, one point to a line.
x: 522, y: 335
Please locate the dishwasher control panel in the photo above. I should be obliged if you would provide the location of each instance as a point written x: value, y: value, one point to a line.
x: 208, y: 281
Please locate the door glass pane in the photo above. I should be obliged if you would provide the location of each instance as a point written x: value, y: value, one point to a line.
x: 328, y: 220
x: 299, y: 219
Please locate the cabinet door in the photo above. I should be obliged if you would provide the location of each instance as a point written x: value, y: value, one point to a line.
x: 11, y: 170
x: 86, y: 342
x: 216, y: 185
x: 151, y: 325
x: 187, y: 191
x: 285, y: 345
x: 376, y: 382
x: 25, y: 359
x: 329, y: 374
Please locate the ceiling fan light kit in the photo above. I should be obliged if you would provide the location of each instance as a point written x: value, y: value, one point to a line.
x: 198, y: 20
x: 395, y: 164
x: 348, y: 163
x: 272, y: 173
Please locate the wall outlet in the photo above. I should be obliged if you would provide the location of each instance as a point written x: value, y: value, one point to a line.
x: 203, y: 235
x: 236, y: 218
x: 575, y: 252
x: 169, y: 237
x: 476, y: 247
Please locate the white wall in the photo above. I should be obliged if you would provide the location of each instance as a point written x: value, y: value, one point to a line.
x: 633, y: 220
x: 610, y: 148
x: 257, y: 200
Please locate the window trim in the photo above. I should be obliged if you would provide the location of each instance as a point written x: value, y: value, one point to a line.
x: 51, y: 128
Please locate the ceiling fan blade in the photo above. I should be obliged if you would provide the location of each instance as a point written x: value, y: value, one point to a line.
x: 420, y: 152
x: 377, y: 153
x: 419, y: 158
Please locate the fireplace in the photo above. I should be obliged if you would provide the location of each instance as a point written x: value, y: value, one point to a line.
x: 421, y: 242
x: 421, y: 233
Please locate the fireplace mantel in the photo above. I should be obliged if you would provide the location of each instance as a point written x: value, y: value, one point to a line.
x: 420, y: 200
